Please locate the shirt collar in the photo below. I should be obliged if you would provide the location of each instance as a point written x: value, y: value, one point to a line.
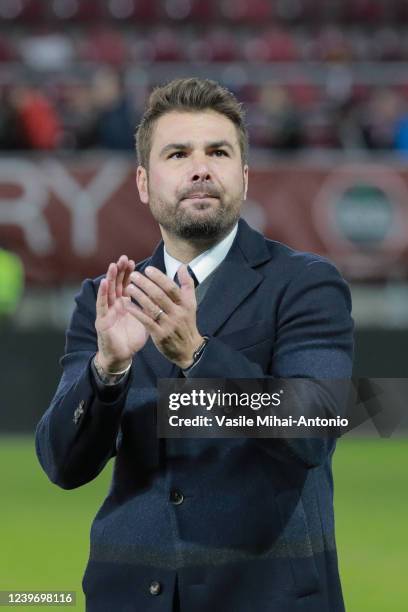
x: 206, y: 262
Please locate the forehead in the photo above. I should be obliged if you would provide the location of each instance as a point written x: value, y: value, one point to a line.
x: 197, y: 127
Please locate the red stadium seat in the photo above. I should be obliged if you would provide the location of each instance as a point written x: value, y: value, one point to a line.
x: 360, y: 92
x: 139, y: 10
x: 401, y: 12
x: 202, y: 10
x: 147, y: 10
x: 104, y: 45
x: 365, y: 11
x: 77, y: 10
x: 166, y: 46
x: 218, y: 45
x: 24, y: 10
x: 121, y: 9
x: 304, y: 94
x: 274, y: 45
x: 7, y: 51
x: 246, y: 10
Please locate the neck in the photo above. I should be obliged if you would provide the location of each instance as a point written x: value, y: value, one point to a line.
x: 186, y: 250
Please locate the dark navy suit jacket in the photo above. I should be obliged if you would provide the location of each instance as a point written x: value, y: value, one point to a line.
x: 255, y: 529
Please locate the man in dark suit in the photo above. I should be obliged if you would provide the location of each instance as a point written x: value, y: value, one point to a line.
x: 196, y: 525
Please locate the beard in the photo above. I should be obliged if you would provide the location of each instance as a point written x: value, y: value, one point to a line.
x: 182, y: 222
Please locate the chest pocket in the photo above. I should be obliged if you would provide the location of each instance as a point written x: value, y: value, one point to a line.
x: 248, y: 337
x: 255, y: 342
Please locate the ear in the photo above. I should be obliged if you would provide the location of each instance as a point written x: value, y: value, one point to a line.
x: 246, y: 169
x: 142, y: 184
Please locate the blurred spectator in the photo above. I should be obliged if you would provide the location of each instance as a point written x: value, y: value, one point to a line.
x: 332, y: 45
x: 401, y: 137
x: 11, y: 132
x: 339, y: 83
x: 115, y: 121
x: 80, y: 122
x: 37, y: 118
x: 47, y: 51
x: 347, y: 117
x: 283, y: 123
x: 380, y: 121
x: 387, y: 45
x: 320, y: 53
x: 376, y: 123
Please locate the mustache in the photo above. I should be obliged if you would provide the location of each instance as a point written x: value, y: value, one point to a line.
x: 208, y: 190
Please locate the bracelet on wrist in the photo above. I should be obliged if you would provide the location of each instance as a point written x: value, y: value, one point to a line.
x: 108, y: 372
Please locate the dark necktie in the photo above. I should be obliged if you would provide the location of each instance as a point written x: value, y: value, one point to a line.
x: 191, y: 273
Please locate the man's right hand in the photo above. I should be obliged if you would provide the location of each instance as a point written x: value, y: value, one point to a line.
x: 120, y: 335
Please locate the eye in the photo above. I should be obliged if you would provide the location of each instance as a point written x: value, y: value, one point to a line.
x: 171, y: 156
x: 221, y: 152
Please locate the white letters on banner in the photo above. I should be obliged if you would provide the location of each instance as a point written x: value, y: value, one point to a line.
x: 26, y: 210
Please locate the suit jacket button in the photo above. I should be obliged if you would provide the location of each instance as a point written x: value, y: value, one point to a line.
x: 176, y: 497
x: 78, y: 412
x: 155, y: 588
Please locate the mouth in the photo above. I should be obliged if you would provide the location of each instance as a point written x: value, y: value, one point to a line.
x: 201, y: 196
x: 200, y: 202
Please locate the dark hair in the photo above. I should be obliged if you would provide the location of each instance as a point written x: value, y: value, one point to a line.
x: 190, y: 94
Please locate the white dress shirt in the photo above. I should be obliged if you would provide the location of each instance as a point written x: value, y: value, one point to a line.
x: 206, y: 262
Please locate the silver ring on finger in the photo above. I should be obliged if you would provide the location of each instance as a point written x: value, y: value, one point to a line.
x: 158, y: 315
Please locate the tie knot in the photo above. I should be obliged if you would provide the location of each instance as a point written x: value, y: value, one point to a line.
x: 191, y: 273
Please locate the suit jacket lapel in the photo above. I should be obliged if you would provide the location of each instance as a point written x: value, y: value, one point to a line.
x: 233, y: 281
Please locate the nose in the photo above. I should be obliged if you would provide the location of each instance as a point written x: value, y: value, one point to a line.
x: 199, y: 169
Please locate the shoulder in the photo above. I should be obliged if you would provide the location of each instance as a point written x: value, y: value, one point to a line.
x: 306, y: 280
x: 295, y: 276
x: 295, y: 264
x: 278, y: 259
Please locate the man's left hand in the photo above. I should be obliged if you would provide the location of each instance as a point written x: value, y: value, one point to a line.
x: 167, y: 311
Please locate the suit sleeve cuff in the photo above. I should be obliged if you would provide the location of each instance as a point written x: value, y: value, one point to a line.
x: 108, y: 393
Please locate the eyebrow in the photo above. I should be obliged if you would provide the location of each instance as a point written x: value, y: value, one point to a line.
x: 188, y: 145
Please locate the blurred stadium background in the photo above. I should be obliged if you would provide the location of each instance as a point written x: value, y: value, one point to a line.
x: 325, y: 83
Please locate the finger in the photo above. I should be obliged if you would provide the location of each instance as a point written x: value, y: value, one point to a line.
x: 151, y: 325
x: 155, y: 293
x: 102, y: 299
x: 184, y: 277
x: 122, y: 265
x: 129, y: 269
x: 169, y: 287
x: 186, y: 283
x: 111, y: 276
x: 149, y: 307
